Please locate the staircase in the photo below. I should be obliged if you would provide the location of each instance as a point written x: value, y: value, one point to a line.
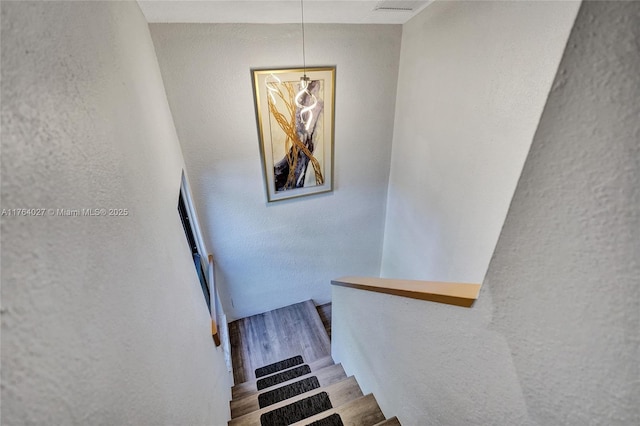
x: 296, y: 392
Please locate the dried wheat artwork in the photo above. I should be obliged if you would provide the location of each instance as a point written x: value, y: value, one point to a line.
x: 295, y: 112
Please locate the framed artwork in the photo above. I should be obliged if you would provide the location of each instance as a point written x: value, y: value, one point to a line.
x: 295, y: 114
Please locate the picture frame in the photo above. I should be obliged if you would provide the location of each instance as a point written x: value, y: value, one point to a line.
x: 295, y: 111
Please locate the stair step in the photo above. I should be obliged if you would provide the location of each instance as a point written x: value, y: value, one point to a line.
x: 326, y: 376
x: 283, y: 376
x: 393, y: 421
x: 279, y: 366
x: 331, y: 420
x: 363, y: 411
x: 298, y: 410
x: 246, y: 388
x: 339, y: 393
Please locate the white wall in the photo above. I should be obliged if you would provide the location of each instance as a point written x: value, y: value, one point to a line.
x: 553, y: 338
x: 473, y: 80
x: 566, y: 273
x: 271, y: 255
x: 427, y: 363
x: 103, y: 320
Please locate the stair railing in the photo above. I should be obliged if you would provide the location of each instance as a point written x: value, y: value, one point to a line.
x: 459, y: 294
x: 214, y: 303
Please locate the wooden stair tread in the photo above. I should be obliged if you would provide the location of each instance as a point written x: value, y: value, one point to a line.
x: 393, y: 421
x: 363, y: 411
x: 243, y: 389
x: 248, y: 403
x: 339, y: 393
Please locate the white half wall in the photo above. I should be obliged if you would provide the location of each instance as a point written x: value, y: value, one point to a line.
x: 103, y: 319
x: 473, y: 80
x: 554, y: 336
x: 425, y: 362
x: 273, y: 254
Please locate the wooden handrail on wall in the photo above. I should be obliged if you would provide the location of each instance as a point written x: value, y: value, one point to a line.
x: 459, y: 294
x: 213, y: 299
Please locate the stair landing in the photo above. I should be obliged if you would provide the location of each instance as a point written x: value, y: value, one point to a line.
x: 272, y: 336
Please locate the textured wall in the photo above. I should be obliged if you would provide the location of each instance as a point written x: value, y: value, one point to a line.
x: 103, y: 320
x: 472, y: 84
x: 271, y: 255
x: 566, y: 271
x: 554, y: 338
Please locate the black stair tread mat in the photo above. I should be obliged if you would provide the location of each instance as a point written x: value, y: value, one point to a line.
x: 297, y: 411
x: 288, y: 391
x: 278, y: 366
x: 285, y: 376
x: 332, y: 420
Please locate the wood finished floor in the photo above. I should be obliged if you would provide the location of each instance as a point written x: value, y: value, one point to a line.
x: 270, y: 337
x: 325, y: 315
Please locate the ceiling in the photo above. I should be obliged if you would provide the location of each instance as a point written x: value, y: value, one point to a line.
x: 282, y: 11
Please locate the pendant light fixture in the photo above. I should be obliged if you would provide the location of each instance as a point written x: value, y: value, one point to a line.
x: 305, y: 103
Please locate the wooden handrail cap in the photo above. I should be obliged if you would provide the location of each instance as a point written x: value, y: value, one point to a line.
x: 459, y: 294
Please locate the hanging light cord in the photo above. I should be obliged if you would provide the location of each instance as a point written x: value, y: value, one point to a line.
x: 304, y: 60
